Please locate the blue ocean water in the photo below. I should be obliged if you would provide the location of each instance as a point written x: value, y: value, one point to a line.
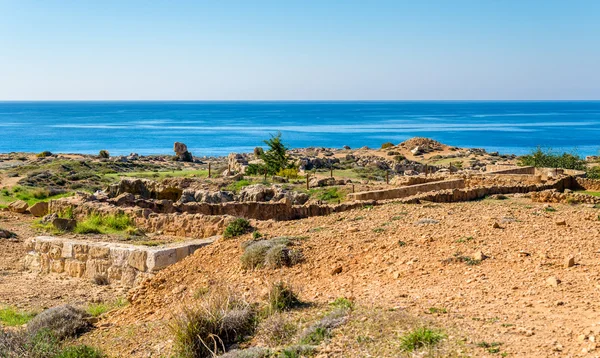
x: 218, y: 128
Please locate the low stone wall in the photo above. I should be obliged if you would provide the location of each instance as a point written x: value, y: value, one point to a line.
x: 406, y: 191
x: 553, y: 196
x: 128, y: 264
x: 468, y: 194
x: 501, y: 179
x: 589, y: 184
x: 509, y: 169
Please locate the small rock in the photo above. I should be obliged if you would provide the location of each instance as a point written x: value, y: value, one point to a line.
x: 336, y: 271
x: 479, y: 256
x: 552, y: 281
x: 570, y: 262
x: 353, y: 229
x: 561, y: 223
x: 64, y: 224
x: 496, y: 225
x: 581, y: 337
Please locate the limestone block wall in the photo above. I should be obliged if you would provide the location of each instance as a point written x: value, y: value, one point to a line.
x: 553, y: 196
x: 589, y: 184
x: 509, y: 169
x: 407, y: 191
x: 127, y: 264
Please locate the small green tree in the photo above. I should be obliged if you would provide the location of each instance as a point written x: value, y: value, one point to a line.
x: 276, y: 157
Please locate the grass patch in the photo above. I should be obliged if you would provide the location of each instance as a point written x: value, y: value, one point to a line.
x: 549, y: 209
x: 328, y: 195
x: 436, y: 310
x: 11, y: 317
x: 592, y: 193
x: 378, y: 230
x: 105, y: 224
x: 421, y: 337
x: 236, y: 186
x: 97, y: 309
x: 237, y: 227
x: 29, y: 195
x: 160, y: 175
x: 464, y: 239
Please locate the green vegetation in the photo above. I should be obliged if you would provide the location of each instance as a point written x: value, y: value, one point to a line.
x: 387, y: 145
x: 343, y: 303
x: 548, y: 159
x: 436, y: 310
x: 592, y: 193
x: 290, y: 173
x: 490, y: 347
x: 549, y: 209
x: 9, y: 316
x: 237, y: 227
x: 29, y: 195
x: 281, y: 298
x: 104, y: 154
x: 421, y: 337
x: 464, y: 239
x: 316, y: 336
x: 593, y: 172
x: 97, y: 309
x: 276, y: 157
x: 44, y: 154
x: 106, y: 224
x: 236, y: 186
x: 160, y: 175
x: 329, y: 195
x: 42, y: 344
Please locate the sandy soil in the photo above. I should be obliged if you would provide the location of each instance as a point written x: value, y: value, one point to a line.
x: 387, y: 259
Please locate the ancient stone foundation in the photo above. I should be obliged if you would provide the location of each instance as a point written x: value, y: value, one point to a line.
x: 127, y: 264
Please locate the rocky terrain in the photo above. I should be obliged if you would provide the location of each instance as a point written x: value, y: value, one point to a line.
x: 513, y: 273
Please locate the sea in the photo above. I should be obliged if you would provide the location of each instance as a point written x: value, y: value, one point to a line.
x: 214, y: 128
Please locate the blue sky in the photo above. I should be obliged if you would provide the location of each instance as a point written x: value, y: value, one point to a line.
x: 299, y: 50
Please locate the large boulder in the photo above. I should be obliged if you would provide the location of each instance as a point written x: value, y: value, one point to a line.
x: 18, y: 206
x: 256, y: 192
x: 181, y: 151
x: 39, y: 209
x: 147, y: 189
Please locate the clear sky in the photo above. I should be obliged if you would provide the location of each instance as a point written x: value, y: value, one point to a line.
x: 300, y: 50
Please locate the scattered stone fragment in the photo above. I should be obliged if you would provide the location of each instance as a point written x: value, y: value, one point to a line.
x: 18, y: 206
x: 479, y: 256
x: 552, y: 281
x: 561, y: 223
x: 336, y: 271
x: 496, y: 225
x: 570, y: 262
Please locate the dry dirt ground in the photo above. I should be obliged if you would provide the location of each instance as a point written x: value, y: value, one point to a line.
x: 395, y: 265
x: 390, y: 264
x: 29, y: 290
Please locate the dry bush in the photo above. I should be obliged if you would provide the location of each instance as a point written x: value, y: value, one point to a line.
x: 220, y: 319
x: 100, y: 280
x: 62, y: 321
x: 277, y: 330
x: 272, y: 253
x: 281, y: 298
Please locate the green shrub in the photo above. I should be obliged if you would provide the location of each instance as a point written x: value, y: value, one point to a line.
x: 387, y: 145
x: 258, y: 152
x: 343, y: 303
x: 44, y: 154
x: 219, y: 320
x: 290, y: 173
x: 548, y: 159
x: 593, y: 172
x: 104, y: 154
x: 421, y: 337
x: 237, y: 227
x: 62, y: 321
x: 281, y: 298
x: 255, y: 169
